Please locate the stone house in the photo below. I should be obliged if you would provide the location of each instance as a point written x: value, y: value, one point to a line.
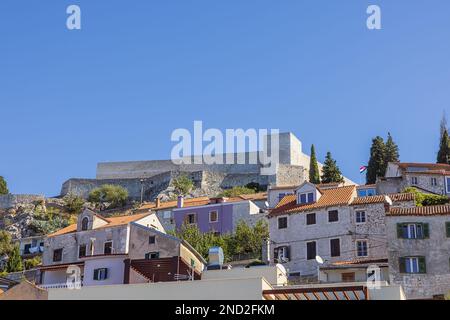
x: 427, y: 177
x: 332, y: 223
x: 104, y: 250
x: 31, y: 246
x: 419, y: 250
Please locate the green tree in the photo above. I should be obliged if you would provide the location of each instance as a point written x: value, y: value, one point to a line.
x: 5, y: 243
x: 114, y: 195
x: 3, y: 186
x: 32, y: 262
x: 14, y: 262
x: 377, y: 164
x: 391, y: 151
x: 331, y: 171
x: 314, y: 174
x: 444, y: 148
x: 425, y: 199
x: 183, y: 185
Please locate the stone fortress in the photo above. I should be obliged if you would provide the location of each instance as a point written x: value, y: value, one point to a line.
x: 153, y: 178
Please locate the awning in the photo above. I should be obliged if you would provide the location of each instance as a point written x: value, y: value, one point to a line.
x: 318, y: 293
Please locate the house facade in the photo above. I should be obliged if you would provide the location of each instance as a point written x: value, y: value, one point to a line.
x: 104, y: 249
x: 419, y: 250
x: 427, y: 177
x: 332, y: 223
x: 31, y: 246
x: 220, y: 216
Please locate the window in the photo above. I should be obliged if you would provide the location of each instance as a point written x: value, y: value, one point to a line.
x: 333, y: 216
x: 434, y: 182
x: 57, y: 255
x: 412, y: 265
x: 191, y: 218
x: 311, y: 251
x: 84, y: 224
x: 213, y: 216
x: 82, y: 251
x: 26, y: 248
x: 348, y: 277
x: 152, y: 255
x: 306, y: 197
x: 335, y: 247
x: 447, y: 182
x: 281, y: 254
x: 107, y: 249
x: 447, y: 229
x: 151, y: 240
x: 310, y: 218
x: 414, y: 180
x: 413, y: 230
x: 282, y: 223
x: 100, y: 274
x: 281, y: 196
x: 361, y: 248
x: 360, y: 217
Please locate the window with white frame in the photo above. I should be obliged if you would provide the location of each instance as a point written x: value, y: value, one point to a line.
x: 414, y: 181
x: 360, y: 217
x: 361, y: 248
x: 434, y: 182
x: 413, y: 230
x: 306, y: 197
x: 107, y: 247
x: 100, y: 274
x: 282, y: 254
x: 213, y: 216
x: 412, y: 265
x: 447, y: 183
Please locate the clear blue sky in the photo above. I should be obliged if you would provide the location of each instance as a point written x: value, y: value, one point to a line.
x: 116, y: 89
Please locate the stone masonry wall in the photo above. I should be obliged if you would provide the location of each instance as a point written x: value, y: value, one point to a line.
x: 11, y: 200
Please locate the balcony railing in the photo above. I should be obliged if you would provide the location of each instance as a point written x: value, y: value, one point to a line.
x: 57, y: 286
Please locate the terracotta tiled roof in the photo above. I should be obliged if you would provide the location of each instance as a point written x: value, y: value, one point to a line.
x: 359, y: 261
x: 330, y: 197
x: 365, y: 186
x: 428, y: 166
x: 112, y: 222
x: 420, y: 211
x: 255, y: 196
x: 191, y: 202
x: 396, y: 197
x: 295, y: 186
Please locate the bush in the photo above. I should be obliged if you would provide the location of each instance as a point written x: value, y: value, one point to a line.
x: 425, y: 199
x: 74, y: 203
x: 14, y: 262
x: 236, y: 191
x: 113, y: 195
x: 49, y: 224
x: 183, y: 185
x: 32, y: 262
x: 3, y: 186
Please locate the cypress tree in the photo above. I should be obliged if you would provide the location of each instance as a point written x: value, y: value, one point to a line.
x: 14, y: 262
x: 377, y: 164
x: 3, y: 186
x: 391, y: 154
x: 314, y: 174
x: 330, y: 170
x: 444, y: 148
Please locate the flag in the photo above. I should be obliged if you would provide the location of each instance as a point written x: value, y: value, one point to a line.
x: 362, y: 169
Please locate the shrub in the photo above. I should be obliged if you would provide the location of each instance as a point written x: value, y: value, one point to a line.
x: 116, y: 196
x: 236, y: 191
x: 74, y: 203
x: 3, y: 186
x: 14, y: 262
x: 32, y: 262
x: 183, y: 185
x: 52, y: 224
x: 425, y: 199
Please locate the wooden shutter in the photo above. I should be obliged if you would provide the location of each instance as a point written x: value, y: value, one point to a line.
x: 96, y: 274
x: 422, y: 265
x: 400, y: 230
x: 426, y: 230
x: 447, y: 227
x: 106, y: 273
x: 288, y: 252
x: 402, y: 265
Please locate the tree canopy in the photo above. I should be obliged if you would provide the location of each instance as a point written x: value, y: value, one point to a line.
x: 330, y: 171
x: 3, y: 186
x: 183, y: 185
x: 314, y: 174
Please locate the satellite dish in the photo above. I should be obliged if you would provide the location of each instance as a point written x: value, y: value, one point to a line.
x: 266, y: 204
x: 319, y: 260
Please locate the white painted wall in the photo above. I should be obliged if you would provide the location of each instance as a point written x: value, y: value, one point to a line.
x: 115, y: 268
x: 275, y: 275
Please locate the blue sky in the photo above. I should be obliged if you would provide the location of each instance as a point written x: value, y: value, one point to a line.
x: 137, y: 70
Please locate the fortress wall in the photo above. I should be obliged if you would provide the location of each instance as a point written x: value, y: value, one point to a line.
x: 290, y: 175
x: 11, y: 200
x: 140, y: 169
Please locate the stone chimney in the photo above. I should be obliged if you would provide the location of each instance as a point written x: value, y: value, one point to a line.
x: 180, y: 202
x: 158, y: 202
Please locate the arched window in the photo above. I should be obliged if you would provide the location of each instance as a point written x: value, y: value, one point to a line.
x: 84, y: 224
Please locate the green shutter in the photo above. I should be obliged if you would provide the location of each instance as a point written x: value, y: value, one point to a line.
x: 447, y: 227
x: 400, y: 230
x: 96, y: 274
x: 426, y: 230
x: 402, y: 265
x: 422, y: 265
x: 106, y: 273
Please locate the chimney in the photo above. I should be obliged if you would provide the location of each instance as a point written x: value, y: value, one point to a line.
x: 387, y: 203
x: 180, y: 202
x: 158, y: 202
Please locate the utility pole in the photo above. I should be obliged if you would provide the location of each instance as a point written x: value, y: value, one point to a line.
x: 142, y: 190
